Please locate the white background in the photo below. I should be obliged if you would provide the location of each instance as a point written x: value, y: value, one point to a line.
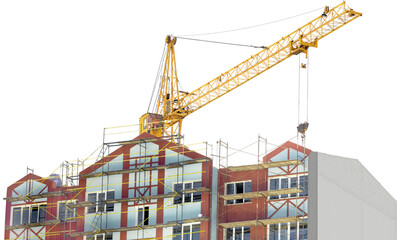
x: 70, y: 68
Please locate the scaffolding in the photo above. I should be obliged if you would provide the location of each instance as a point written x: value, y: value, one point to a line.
x: 74, y: 181
x: 228, y: 217
x: 70, y: 191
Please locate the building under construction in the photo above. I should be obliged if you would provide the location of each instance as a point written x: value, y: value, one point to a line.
x: 155, y: 187
x: 152, y: 188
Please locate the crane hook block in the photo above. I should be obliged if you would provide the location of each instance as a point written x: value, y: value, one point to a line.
x: 326, y: 10
x: 302, y: 128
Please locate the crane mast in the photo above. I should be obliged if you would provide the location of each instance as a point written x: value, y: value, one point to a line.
x: 174, y: 105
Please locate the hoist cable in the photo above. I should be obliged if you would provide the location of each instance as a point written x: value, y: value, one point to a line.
x: 254, y: 26
x: 299, y: 87
x: 307, y: 88
x: 226, y: 43
x: 157, y: 77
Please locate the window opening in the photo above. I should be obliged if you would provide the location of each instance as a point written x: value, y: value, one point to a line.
x: 238, y: 233
x: 303, y: 185
x: 143, y: 215
x: 29, y: 214
x: 16, y: 216
x: 34, y: 214
x: 237, y: 188
x: 107, y: 236
x: 186, y: 232
x: 25, y: 215
x: 65, y: 213
x: 289, y: 182
x: 187, y: 197
x: 99, y: 204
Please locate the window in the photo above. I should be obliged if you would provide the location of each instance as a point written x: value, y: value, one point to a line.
x: 288, y: 231
x: 186, y: 232
x: 187, y: 197
x: 294, y: 185
x: 284, y: 185
x: 303, y: 230
x: 236, y: 188
x: 274, y: 185
x: 143, y: 215
x: 238, y: 233
x: 25, y: 215
x: 29, y: 214
x: 303, y: 185
x: 99, y: 204
x: 16, y: 216
x: 292, y: 231
x: 107, y: 236
x: 65, y: 213
x: 284, y: 231
x: 289, y: 182
x: 273, y: 232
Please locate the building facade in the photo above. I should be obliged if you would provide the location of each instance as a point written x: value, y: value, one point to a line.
x: 146, y: 189
x: 151, y: 188
x: 267, y: 200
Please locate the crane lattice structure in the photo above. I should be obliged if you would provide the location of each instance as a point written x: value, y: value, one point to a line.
x: 174, y: 105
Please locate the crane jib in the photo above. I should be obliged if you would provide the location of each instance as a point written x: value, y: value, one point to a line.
x: 174, y: 105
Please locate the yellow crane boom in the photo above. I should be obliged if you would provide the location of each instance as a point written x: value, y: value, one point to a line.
x: 173, y: 105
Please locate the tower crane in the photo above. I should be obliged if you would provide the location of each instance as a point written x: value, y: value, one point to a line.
x: 173, y: 105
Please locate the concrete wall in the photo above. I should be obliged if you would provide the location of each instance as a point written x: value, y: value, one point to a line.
x: 347, y: 202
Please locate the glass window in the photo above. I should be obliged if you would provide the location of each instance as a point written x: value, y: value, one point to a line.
x: 108, y: 236
x: 42, y: 213
x: 196, y: 232
x: 25, y: 215
x: 34, y: 214
x: 293, y: 185
x: 178, y: 188
x: 274, y: 185
x: 197, y: 195
x: 238, y: 233
x: 230, y: 188
x: 292, y: 231
x: 92, y: 198
x: 237, y: 188
x: 284, y: 231
x: 16, y: 216
x: 229, y: 234
x: 99, y: 202
x: 187, y: 197
x: 273, y: 232
x: 177, y: 233
x: 302, y: 231
x: 284, y: 185
x: 303, y: 185
x: 65, y: 213
x: 110, y: 206
x: 247, y: 233
x: 186, y: 232
x: 247, y: 188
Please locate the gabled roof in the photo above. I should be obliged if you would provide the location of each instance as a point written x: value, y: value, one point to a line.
x: 145, y: 137
x: 286, y: 145
x: 28, y: 177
